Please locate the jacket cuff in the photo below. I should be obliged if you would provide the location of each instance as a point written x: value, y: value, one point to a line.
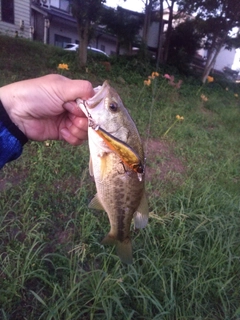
x: 12, y: 138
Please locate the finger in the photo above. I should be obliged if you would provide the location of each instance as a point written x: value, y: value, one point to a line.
x: 70, y: 90
x: 73, y: 140
x: 80, y: 123
x: 77, y: 124
x: 77, y: 127
x: 77, y: 132
x: 73, y: 108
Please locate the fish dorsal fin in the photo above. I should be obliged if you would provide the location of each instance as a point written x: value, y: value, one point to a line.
x: 141, y: 214
x: 90, y: 167
x: 95, y: 203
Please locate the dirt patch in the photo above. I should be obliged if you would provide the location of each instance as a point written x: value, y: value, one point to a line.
x: 163, y: 167
x: 8, y: 182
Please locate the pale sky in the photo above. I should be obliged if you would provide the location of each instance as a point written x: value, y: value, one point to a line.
x: 134, y: 5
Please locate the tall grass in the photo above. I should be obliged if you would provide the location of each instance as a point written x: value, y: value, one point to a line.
x: 186, y: 261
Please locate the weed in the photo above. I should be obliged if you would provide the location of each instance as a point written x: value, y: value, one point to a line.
x: 186, y: 261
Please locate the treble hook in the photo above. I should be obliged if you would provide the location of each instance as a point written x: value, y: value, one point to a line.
x: 91, y: 123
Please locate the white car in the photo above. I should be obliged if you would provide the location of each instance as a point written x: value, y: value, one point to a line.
x: 75, y: 46
x: 71, y: 46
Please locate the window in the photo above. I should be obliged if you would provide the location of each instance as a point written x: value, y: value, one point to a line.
x: 60, y: 41
x: 7, y: 7
x: 102, y: 47
x: 61, y: 4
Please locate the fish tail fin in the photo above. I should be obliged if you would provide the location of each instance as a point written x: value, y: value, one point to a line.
x: 124, y: 251
x: 124, y: 248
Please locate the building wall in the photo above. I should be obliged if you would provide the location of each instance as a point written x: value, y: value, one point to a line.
x: 21, y: 13
x: 57, y: 28
x: 236, y: 61
x: 153, y: 35
x: 107, y: 46
x: 225, y: 59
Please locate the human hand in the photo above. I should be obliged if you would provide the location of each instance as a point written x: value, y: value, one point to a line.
x: 45, y: 108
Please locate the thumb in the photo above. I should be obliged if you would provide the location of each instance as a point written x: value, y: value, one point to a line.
x: 70, y: 90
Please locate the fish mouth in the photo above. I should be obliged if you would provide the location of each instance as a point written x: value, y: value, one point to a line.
x: 100, y: 94
x: 98, y: 97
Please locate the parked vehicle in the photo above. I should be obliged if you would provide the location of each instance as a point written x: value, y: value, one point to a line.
x: 75, y: 46
x: 71, y: 47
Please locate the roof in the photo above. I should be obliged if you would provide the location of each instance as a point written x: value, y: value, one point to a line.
x: 54, y: 13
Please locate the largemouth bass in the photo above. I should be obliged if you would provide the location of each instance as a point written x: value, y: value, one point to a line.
x: 117, y: 165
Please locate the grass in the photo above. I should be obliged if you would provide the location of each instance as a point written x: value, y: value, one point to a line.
x: 186, y: 261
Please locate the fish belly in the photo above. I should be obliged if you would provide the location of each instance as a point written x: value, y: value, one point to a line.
x: 120, y: 193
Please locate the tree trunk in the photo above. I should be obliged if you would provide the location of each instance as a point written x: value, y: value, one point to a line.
x: 147, y: 16
x: 160, y: 35
x: 168, y: 33
x: 83, y: 43
x: 118, y: 47
x: 212, y: 58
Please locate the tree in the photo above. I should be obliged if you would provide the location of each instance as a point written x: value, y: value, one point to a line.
x: 185, y: 41
x: 123, y: 24
x: 163, y: 39
x: 169, y: 29
x: 160, y: 34
x: 86, y: 12
x: 150, y: 5
x: 214, y: 19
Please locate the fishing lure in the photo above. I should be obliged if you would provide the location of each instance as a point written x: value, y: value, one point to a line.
x: 122, y: 149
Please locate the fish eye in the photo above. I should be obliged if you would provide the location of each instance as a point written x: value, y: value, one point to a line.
x: 113, y: 107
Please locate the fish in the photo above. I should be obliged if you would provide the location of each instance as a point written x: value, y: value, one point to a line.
x: 117, y: 164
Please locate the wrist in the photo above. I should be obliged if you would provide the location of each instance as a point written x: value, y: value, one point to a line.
x: 9, y: 124
x: 8, y: 102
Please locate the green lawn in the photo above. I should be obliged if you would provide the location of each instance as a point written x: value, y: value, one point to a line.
x: 186, y: 261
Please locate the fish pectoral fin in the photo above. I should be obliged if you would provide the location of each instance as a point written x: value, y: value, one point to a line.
x: 141, y: 214
x: 90, y: 167
x: 103, y: 165
x: 124, y: 248
x: 96, y: 204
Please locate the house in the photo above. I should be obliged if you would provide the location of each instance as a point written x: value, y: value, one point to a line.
x: 51, y: 22
x: 15, y: 18
x: 47, y: 21
x: 225, y: 58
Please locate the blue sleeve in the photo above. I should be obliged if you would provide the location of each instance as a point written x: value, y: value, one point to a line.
x: 12, y: 138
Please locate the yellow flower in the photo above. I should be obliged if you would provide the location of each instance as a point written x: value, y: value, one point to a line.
x: 154, y: 74
x: 236, y: 95
x: 178, y: 117
x: 147, y: 82
x: 204, y: 98
x: 63, y: 66
x: 210, y: 79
